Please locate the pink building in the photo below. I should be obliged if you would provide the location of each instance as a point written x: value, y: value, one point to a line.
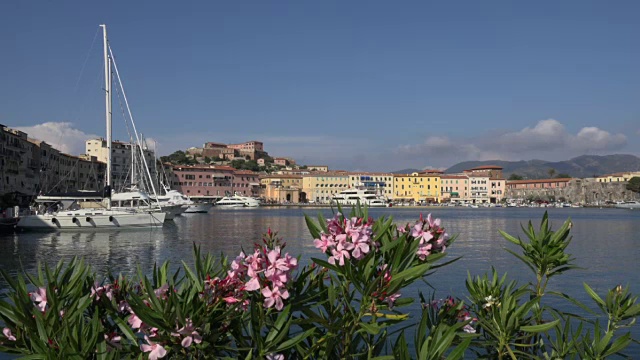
x: 214, y: 182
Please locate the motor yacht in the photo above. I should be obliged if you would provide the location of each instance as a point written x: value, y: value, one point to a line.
x: 351, y: 197
x: 237, y: 200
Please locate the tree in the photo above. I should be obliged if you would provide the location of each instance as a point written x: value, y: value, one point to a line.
x: 634, y: 184
x: 207, y: 159
x: 551, y: 172
x: 563, y: 176
x: 515, y: 177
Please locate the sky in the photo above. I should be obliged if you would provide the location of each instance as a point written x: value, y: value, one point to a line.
x: 356, y: 85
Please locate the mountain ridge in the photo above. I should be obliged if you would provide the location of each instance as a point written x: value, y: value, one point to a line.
x: 580, y: 166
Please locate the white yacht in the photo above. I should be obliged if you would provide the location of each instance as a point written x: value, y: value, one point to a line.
x: 84, y: 210
x: 237, y: 200
x: 140, y: 201
x: 628, y: 205
x: 351, y: 197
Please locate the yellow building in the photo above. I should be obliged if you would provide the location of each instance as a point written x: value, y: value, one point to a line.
x: 417, y: 187
x: 618, y: 177
x: 281, y: 188
x: 319, y: 188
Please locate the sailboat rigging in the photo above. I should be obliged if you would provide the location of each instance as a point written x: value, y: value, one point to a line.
x: 94, y: 210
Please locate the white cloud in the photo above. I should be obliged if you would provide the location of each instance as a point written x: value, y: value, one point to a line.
x: 592, y: 138
x: 61, y: 135
x: 547, y: 139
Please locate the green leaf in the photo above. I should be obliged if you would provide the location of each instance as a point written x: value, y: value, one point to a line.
x: 540, y: 327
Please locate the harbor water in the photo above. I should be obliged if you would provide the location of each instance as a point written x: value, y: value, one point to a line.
x: 606, y: 244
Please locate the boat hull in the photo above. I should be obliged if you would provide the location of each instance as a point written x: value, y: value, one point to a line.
x: 198, y: 208
x: 92, y: 221
x: 173, y: 211
x: 632, y: 206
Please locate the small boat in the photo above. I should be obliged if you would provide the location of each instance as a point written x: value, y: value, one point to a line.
x: 198, y: 207
x: 628, y: 205
x: 8, y: 225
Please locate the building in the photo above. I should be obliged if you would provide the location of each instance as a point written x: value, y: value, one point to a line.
x: 496, y: 189
x: 29, y: 167
x: 320, y: 187
x: 417, y: 186
x: 479, y: 188
x: 321, y: 168
x: 209, y: 182
x: 618, y: 177
x: 281, y: 188
x: 250, y: 150
x: 454, y: 188
x: 122, y: 177
x: 522, y: 189
x: 491, y: 171
x: 382, y: 183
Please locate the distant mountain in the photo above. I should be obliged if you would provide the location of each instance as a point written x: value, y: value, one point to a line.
x: 581, y: 166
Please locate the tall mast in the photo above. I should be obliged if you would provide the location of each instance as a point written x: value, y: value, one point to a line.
x: 107, y: 91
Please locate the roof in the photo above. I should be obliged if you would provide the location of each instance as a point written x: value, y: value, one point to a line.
x: 246, y: 172
x: 287, y: 176
x: 537, y: 181
x: 487, y: 167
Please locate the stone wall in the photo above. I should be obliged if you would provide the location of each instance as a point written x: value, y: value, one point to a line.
x: 585, y: 191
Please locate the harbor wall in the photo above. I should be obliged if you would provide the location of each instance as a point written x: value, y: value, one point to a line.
x: 584, y: 191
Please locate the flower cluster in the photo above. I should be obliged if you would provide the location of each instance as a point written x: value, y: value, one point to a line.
x: 451, y: 310
x: 385, y: 280
x: 430, y: 234
x: 347, y: 238
x: 39, y: 298
x: 266, y: 270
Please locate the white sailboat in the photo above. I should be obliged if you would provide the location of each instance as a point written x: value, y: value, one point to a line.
x: 84, y: 210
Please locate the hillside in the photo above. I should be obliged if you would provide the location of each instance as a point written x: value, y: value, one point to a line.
x: 581, y: 166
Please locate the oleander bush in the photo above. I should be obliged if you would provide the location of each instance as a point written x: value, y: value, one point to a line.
x: 350, y: 302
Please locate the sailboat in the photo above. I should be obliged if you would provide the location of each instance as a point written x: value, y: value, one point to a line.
x: 92, y: 210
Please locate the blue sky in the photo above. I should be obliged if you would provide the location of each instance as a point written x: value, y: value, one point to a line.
x: 357, y: 85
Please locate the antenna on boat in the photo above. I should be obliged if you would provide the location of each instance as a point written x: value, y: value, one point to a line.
x: 107, y: 91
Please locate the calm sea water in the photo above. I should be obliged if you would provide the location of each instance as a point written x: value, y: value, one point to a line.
x: 606, y: 244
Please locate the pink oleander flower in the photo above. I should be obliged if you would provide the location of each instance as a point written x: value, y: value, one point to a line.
x: 361, y: 248
x: 237, y: 267
x: 98, y: 291
x: 325, y: 242
x: 423, y: 251
x: 402, y: 230
x: 113, y: 339
x: 192, y: 336
x: 275, y: 357
x: 156, y: 351
x: 340, y: 253
x: 7, y: 333
x: 391, y: 299
x: 418, y: 233
x: 253, y: 284
x: 433, y: 223
x: 275, y: 297
x: 161, y: 292
x: 40, y: 298
x: 134, y: 321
